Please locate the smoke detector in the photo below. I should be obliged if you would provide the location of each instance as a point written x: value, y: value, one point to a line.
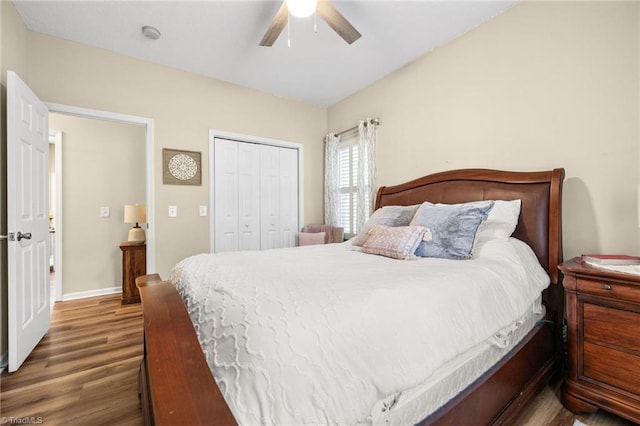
x: 151, y: 32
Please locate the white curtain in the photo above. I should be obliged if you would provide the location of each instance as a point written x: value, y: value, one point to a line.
x: 365, y: 177
x: 366, y: 170
x: 331, y: 180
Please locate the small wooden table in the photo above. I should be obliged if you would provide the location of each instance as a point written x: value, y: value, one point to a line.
x: 134, y: 265
x: 603, y: 337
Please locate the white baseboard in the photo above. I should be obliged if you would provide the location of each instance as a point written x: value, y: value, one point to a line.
x: 4, y: 360
x: 91, y: 293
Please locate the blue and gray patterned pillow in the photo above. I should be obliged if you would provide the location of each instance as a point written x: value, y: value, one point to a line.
x: 451, y: 228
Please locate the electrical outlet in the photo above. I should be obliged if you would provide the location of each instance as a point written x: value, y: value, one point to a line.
x: 173, y: 211
x: 105, y: 212
x: 203, y: 210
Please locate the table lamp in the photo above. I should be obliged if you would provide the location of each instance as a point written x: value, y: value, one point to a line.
x: 135, y: 214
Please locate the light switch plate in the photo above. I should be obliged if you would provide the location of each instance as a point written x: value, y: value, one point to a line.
x: 203, y: 210
x: 173, y: 211
x: 105, y: 212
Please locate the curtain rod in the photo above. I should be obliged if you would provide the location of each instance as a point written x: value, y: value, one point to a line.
x: 374, y: 121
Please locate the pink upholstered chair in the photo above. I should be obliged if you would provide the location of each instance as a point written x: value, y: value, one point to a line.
x: 320, y: 234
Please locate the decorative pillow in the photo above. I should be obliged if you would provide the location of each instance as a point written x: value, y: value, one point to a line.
x: 501, y: 221
x: 397, y: 242
x: 451, y: 228
x: 388, y: 216
x: 311, y: 238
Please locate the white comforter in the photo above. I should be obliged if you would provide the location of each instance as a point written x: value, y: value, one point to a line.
x: 320, y: 334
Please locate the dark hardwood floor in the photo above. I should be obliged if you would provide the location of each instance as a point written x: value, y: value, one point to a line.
x: 84, y: 372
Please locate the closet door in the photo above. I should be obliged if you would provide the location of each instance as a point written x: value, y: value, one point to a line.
x: 288, y: 190
x: 255, y: 196
x: 269, y: 197
x: 226, y: 195
x: 248, y: 196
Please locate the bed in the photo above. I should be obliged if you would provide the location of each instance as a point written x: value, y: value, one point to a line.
x: 176, y: 382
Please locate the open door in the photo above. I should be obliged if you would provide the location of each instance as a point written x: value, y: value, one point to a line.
x: 28, y: 219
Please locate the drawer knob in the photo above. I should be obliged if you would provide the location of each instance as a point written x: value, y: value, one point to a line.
x: 607, y: 286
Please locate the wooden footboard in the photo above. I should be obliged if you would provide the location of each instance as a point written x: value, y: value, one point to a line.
x: 176, y: 385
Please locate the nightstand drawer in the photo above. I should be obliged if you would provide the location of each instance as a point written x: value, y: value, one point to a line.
x: 603, y: 340
x: 612, y: 289
x: 615, y: 327
x: 615, y: 368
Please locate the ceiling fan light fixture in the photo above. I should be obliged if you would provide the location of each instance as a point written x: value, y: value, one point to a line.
x: 302, y: 8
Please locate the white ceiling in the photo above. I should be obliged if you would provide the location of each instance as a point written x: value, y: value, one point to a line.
x: 220, y: 38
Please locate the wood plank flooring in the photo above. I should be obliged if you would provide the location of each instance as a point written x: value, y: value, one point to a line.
x: 84, y: 372
x: 546, y: 409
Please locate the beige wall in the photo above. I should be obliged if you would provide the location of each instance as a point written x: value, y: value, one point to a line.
x: 103, y: 166
x: 544, y: 85
x: 184, y: 107
x: 13, y: 56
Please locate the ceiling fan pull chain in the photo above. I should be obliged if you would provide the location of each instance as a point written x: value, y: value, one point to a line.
x: 288, y: 30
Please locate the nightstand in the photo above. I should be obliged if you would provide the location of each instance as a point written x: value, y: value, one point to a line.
x: 134, y: 264
x: 603, y: 340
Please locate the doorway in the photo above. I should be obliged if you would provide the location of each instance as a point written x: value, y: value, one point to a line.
x: 97, y: 225
x: 55, y: 212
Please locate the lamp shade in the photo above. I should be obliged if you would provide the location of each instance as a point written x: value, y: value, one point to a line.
x: 135, y: 213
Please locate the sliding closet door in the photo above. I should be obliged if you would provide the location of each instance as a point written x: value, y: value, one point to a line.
x: 278, y: 197
x: 288, y: 189
x: 248, y: 196
x: 237, y: 196
x: 255, y: 196
x: 269, y: 197
x: 226, y: 195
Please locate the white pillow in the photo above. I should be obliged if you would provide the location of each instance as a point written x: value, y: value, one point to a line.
x: 502, y: 220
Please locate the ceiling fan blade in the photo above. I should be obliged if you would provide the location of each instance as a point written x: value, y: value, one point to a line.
x: 329, y: 13
x: 277, y: 25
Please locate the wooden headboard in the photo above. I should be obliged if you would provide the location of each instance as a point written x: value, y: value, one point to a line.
x: 539, y: 224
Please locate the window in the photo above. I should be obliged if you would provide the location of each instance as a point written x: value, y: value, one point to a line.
x: 350, y: 177
x: 348, y: 187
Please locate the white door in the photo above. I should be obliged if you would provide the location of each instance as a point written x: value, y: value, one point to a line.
x: 249, y: 196
x: 269, y: 197
x: 288, y: 197
x: 225, y: 195
x: 28, y: 219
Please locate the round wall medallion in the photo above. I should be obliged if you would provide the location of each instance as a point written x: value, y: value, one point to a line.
x: 182, y: 167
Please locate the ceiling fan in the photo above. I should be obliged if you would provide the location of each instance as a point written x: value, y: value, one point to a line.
x: 304, y: 8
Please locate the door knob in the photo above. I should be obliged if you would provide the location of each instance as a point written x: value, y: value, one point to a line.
x: 26, y: 236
